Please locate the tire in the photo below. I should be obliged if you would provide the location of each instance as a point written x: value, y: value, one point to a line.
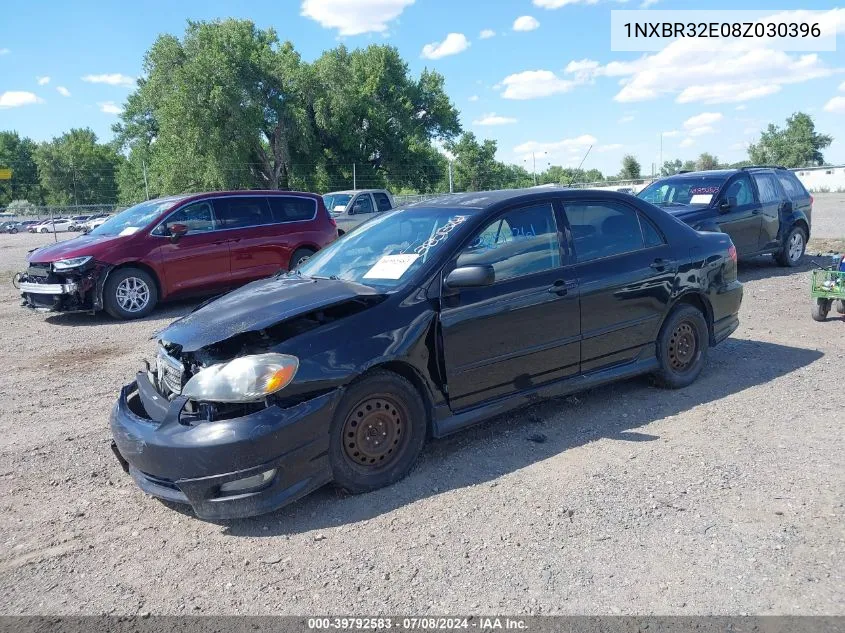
x: 840, y: 306
x: 381, y: 402
x: 682, y: 347
x: 43, y: 231
x: 820, y: 309
x: 793, y: 248
x: 299, y: 256
x: 13, y: 231
x: 119, y: 299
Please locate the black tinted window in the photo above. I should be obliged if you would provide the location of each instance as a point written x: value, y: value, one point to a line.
x: 740, y: 188
x: 603, y: 229
x: 198, y: 217
x: 792, y: 186
x: 767, y: 188
x: 521, y: 242
x: 236, y: 213
x: 651, y: 236
x: 290, y: 209
x: 363, y: 204
x: 382, y: 202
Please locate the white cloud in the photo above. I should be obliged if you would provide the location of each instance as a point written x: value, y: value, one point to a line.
x: 741, y: 107
x: 63, y: 91
x: 557, y: 4
x: 532, y: 84
x: 705, y: 118
x: 494, y: 119
x: 486, y: 34
x: 625, y: 119
x: 354, y: 17
x: 110, y: 107
x: 453, y: 44
x: 567, y: 146
x: 671, y: 133
x: 525, y: 23
x: 112, y: 79
x: 648, y: 3
x: 474, y: 98
x: 43, y: 81
x: 18, y: 98
x: 612, y: 147
x: 740, y: 71
x: 837, y: 105
x: 4, y: 51
x: 687, y: 142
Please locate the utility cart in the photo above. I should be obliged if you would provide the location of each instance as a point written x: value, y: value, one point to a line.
x: 828, y: 288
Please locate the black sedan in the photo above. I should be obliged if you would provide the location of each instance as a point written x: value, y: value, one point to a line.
x: 418, y: 323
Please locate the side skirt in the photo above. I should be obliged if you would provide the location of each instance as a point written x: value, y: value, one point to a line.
x: 446, y: 423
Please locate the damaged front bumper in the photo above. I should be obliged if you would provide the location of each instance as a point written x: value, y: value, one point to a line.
x: 207, y: 465
x: 76, y: 290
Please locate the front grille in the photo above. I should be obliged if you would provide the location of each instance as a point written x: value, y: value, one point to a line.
x: 170, y: 373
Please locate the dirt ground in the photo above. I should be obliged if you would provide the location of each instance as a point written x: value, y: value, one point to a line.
x: 725, y: 497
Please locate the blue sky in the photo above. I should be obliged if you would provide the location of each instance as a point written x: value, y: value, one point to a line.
x: 544, y: 81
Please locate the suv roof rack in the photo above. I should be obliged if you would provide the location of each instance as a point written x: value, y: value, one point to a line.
x: 763, y: 167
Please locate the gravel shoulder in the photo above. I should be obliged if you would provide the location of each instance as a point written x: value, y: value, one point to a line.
x: 726, y: 497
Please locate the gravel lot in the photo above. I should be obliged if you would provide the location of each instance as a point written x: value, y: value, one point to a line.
x: 725, y: 497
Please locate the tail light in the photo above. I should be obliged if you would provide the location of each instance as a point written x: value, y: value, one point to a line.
x: 732, y: 253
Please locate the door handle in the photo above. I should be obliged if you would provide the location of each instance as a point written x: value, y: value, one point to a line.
x: 234, y: 240
x: 756, y: 212
x: 660, y: 263
x: 561, y: 287
x: 220, y: 243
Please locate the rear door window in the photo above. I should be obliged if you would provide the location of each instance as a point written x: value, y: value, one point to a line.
x: 767, y: 187
x: 382, y: 202
x: 605, y: 229
x: 239, y: 213
x: 292, y: 209
x: 792, y: 186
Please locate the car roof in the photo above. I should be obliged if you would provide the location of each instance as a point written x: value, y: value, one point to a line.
x: 502, y: 197
x: 354, y: 191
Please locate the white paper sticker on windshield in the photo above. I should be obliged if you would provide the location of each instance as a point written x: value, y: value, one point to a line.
x: 701, y: 198
x: 129, y: 230
x: 339, y: 207
x: 391, y: 266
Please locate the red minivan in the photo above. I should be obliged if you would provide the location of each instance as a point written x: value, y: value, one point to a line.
x: 178, y: 246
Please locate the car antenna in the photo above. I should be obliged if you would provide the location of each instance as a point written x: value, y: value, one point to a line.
x: 579, y: 166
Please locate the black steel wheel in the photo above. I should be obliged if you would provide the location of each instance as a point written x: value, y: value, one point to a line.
x: 682, y: 347
x: 378, y: 432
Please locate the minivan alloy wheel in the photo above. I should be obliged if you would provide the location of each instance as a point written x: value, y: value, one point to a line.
x: 132, y: 294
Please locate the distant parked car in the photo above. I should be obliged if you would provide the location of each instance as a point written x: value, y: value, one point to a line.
x: 351, y: 208
x: 93, y: 222
x: 179, y: 246
x: 78, y: 221
x: 59, y: 225
x: 763, y: 209
x: 9, y: 227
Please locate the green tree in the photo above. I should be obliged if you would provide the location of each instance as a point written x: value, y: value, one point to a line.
x: 689, y: 165
x: 475, y: 167
x: 671, y: 167
x: 797, y: 145
x: 707, y: 161
x: 222, y: 108
x: 75, y: 169
x: 18, y: 154
x: 630, y: 168
x: 367, y: 110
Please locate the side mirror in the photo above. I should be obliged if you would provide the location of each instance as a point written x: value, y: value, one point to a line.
x: 727, y: 205
x: 177, y: 231
x: 470, y: 277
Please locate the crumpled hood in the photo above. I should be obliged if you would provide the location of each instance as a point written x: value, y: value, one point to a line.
x: 75, y: 247
x: 256, y: 306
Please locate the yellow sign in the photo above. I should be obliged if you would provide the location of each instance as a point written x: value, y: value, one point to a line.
x: 5, y: 174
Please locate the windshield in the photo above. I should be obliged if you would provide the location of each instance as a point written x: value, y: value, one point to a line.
x: 134, y: 218
x: 336, y: 201
x: 683, y: 190
x: 386, y: 251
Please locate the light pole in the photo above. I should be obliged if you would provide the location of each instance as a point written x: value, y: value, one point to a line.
x: 534, y: 164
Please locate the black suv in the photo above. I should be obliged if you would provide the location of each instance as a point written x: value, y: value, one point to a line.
x: 763, y: 209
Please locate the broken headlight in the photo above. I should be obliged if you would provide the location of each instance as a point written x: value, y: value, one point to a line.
x: 73, y: 262
x: 245, y: 379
